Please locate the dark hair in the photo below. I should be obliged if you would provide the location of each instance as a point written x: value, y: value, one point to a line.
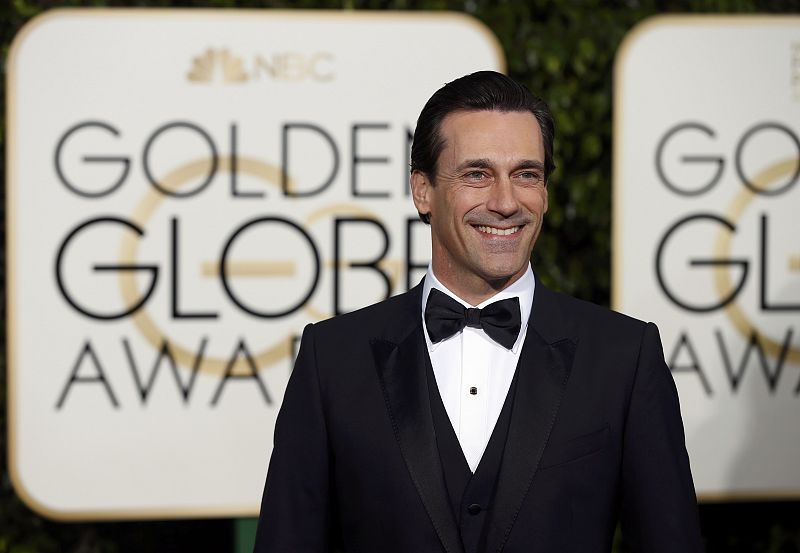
x: 481, y: 91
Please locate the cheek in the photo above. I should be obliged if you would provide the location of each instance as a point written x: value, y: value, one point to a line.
x: 536, y: 201
x: 443, y: 227
x: 441, y: 203
x: 466, y: 202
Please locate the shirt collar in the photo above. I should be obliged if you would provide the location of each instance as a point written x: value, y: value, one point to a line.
x: 523, y: 288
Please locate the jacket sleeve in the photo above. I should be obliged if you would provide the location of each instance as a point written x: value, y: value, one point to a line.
x: 659, y: 506
x: 295, y: 508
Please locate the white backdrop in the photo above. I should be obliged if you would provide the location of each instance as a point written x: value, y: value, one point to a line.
x: 706, y: 197
x: 218, y: 169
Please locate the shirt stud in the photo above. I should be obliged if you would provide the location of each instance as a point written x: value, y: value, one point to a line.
x: 473, y: 391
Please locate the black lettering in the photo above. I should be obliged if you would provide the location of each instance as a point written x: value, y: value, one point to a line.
x: 412, y: 265
x: 371, y: 264
x: 124, y: 161
x: 285, y: 172
x: 98, y: 378
x: 152, y: 269
x: 234, y: 169
x: 764, y: 276
x: 738, y: 159
x: 252, y: 373
x: 149, y: 145
x: 772, y: 376
x: 164, y: 353
x: 356, y: 159
x: 226, y: 278
x: 699, y: 263
x: 684, y: 345
x: 716, y: 160
x: 175, y: 272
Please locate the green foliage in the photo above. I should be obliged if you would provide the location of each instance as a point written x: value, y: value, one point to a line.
x: 564, y: 51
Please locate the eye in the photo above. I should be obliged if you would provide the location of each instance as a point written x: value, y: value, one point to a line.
x: 531, y: 176
x: 475, y: 175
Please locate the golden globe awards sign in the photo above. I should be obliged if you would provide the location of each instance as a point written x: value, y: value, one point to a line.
x: 186, y: 191
x: 706, y: 227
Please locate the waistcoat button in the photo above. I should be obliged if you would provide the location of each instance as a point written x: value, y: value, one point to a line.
x: 474, y: 509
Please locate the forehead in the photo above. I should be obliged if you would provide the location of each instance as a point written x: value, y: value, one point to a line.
x: 492, y: 134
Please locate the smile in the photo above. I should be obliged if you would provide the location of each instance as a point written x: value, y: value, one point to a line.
x: 498, y: 231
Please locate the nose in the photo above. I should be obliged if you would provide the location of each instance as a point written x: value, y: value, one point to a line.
x: 502, y: 198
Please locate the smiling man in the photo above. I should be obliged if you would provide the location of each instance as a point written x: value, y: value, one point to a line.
x: 480, y: 411
x: 490, y: 204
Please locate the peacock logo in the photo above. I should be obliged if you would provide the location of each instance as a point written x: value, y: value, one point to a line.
x: 217, y: 65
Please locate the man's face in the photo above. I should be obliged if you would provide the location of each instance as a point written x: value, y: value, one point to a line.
x: 487, y: 204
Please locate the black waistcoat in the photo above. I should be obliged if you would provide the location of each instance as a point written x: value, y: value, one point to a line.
x: 471, y: 495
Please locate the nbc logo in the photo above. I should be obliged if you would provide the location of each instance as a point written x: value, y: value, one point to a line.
x: 214, y: 65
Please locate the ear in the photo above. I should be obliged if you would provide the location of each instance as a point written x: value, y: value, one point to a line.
x: 420, y: 192
x: 546, y: 199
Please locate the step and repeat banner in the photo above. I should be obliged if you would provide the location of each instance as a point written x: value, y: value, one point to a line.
x: 706, y: 235
x: 186, y: 190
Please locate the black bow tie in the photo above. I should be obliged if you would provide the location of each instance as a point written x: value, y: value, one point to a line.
x: 500, y: 320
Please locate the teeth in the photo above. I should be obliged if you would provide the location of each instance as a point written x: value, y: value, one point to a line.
x: 498, y: 231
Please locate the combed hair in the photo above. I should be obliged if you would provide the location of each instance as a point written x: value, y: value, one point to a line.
x: 481, y: 91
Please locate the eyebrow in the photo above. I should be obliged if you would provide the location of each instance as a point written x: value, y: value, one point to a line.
x: 530, y: 164
x: 484, y: 163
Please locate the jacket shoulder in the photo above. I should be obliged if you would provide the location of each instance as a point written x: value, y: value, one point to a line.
x: 590, y: 317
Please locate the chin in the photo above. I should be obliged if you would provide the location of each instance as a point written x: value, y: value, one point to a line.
x: 503, y: 271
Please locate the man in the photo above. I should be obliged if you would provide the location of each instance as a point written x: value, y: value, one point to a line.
x: 423, y: 424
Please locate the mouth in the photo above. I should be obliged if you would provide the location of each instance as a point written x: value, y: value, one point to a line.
x: 496, y: 231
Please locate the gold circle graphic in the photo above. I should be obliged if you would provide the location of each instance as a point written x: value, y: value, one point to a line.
x: 129, y: 250
x: 722, y: 248
x: 144, y: 211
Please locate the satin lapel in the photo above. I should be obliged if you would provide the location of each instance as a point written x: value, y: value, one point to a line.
x: 544, y: 368
x: 401, y: 369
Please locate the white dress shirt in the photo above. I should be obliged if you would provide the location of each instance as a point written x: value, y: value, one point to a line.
x: 470, y: 361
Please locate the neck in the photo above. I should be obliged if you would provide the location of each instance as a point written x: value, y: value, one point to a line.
x: 471, y: 288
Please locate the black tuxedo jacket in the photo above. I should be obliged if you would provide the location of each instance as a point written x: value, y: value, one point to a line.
x: 595, y: 436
